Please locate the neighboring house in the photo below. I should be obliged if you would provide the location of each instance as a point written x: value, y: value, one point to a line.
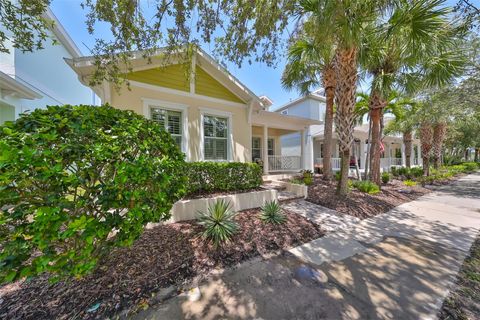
x: 313, y: 106
x: 36, y: 79
x: 210, y: 114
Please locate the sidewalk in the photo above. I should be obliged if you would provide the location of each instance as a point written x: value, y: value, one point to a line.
x: 397, y: 265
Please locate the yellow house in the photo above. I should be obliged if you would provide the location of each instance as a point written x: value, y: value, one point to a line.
x: 211, y: 114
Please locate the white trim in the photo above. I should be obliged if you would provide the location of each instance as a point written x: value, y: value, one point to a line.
x: 186, y: 94
x: 216, y: 113
x: 62, y: 35
x: 167, y: 105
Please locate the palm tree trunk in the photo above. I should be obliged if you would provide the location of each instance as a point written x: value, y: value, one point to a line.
x: 439, y: 131
x: 367, y: 158
x: 407, y: 142
x: 426, y: 138
x: 376, y: 106
x: 346, y: 75
x: 329, y: 85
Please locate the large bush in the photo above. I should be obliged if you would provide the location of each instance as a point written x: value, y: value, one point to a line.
x: 222, y: 176
x: 76, y: 180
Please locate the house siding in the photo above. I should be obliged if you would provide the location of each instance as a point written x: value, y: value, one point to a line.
x: 241, y: 132
x: 172, y: 77
x: 206, y: 85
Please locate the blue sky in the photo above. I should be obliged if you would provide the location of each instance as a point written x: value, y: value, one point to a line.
x: 258, y: 77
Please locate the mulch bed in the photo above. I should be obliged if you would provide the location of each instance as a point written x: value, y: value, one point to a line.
x: 363, y: 205
x: 128, y: 277
x: 464, y: 301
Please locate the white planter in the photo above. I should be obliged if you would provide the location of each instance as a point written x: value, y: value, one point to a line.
x: 188, y: 209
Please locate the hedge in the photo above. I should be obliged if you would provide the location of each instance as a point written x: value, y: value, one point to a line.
x: 222, y: 176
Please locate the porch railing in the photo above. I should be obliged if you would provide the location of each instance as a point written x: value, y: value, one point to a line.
x: 336, y: 163
x: 284, y: 163
x: 389, y: 162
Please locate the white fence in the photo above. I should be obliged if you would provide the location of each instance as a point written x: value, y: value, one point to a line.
x: 284, y: 163
x: 336, y: 163
x: 386, y: 163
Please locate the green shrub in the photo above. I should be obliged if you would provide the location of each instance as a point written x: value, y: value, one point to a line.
x: 77, y: 180
x: 393, y: 171
x: 409, y: 183
x: 337, y: 176
x: 218, y: 222
x: 385, y: 177
x: 470, y: 166
x: 296, y: 181
x: 272, y: 213
x: 307, y: 177
x: 222, y: 176
x: 366, y: 186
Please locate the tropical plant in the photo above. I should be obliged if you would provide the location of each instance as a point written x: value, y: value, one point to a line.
x: 272, y: 213
x: 309, y: 66
x: 409, y: 183
x: 385, y: 177
x: 392, y: 58
x: 218, y: 222
x: 366, y: 186
x: 78, y: 180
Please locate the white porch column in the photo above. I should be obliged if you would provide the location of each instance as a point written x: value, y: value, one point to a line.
x: 308, y: 152
x: 363, y: 155
x: 265, y: 150
x: 419, y: 151
x: 404, y: 159
x: 302, y: 149
x: 412, y: 154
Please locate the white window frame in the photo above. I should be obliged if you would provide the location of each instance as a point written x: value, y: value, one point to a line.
x: 216, y: 113
x: 261, y: 145
x: 148, y: 104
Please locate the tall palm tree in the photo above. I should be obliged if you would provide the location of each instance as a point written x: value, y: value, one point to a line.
x: 309, y: 66
x: 347, y: 22
x: 415, y: 36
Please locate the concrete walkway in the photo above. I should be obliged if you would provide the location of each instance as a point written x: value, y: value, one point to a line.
x: 398, y: 265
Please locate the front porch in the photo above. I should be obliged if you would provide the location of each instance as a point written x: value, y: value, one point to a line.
x: 393, y: 155
x: 267, y: 130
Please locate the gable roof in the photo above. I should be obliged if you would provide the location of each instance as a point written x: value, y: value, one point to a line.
x: 84, y: 67
x: 312, y: 95
x: 61, y: 34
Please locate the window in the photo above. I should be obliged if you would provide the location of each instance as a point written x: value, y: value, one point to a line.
x: 171, y: 121
x: 215, y: 131
x: 256, y: 148
x: 271, y: 147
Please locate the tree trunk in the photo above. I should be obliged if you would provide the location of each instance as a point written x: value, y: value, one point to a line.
x: 426, y: 138
x: 477, y: 151
x: 367, y: 158
x: 329, y: 85
x: 407, y: 141
x: 376, y: 105
x: 346, y: 75
x: 439, y: 131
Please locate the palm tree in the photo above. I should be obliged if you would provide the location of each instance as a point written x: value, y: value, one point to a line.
x: 405, y: 123
x: 309, y: 66
x: 347, y: 22
x: 415, y: 37
x: 426, y: 140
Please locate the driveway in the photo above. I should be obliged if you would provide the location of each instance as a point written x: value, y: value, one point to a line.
x: 397, y: 265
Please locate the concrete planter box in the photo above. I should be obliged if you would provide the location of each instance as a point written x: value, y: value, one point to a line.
x: 300, y: 190
x: 188, y: 209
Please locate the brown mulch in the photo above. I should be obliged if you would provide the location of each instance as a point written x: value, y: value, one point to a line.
x: 128, y: 277
x: 463, y: 302
x: 363, y: 205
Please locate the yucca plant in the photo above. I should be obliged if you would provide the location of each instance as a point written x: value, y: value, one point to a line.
x: 218, y: 222
x: 272, y: 213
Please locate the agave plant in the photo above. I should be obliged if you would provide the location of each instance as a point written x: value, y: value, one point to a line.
x: 218, y: 222
x: 272, y: 213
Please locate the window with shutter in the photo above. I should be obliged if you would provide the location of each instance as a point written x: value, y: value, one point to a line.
x: 215, y: 131
x: 171, y: 121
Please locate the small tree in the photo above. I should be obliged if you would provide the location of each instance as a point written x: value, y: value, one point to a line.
x: 76, y: 180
